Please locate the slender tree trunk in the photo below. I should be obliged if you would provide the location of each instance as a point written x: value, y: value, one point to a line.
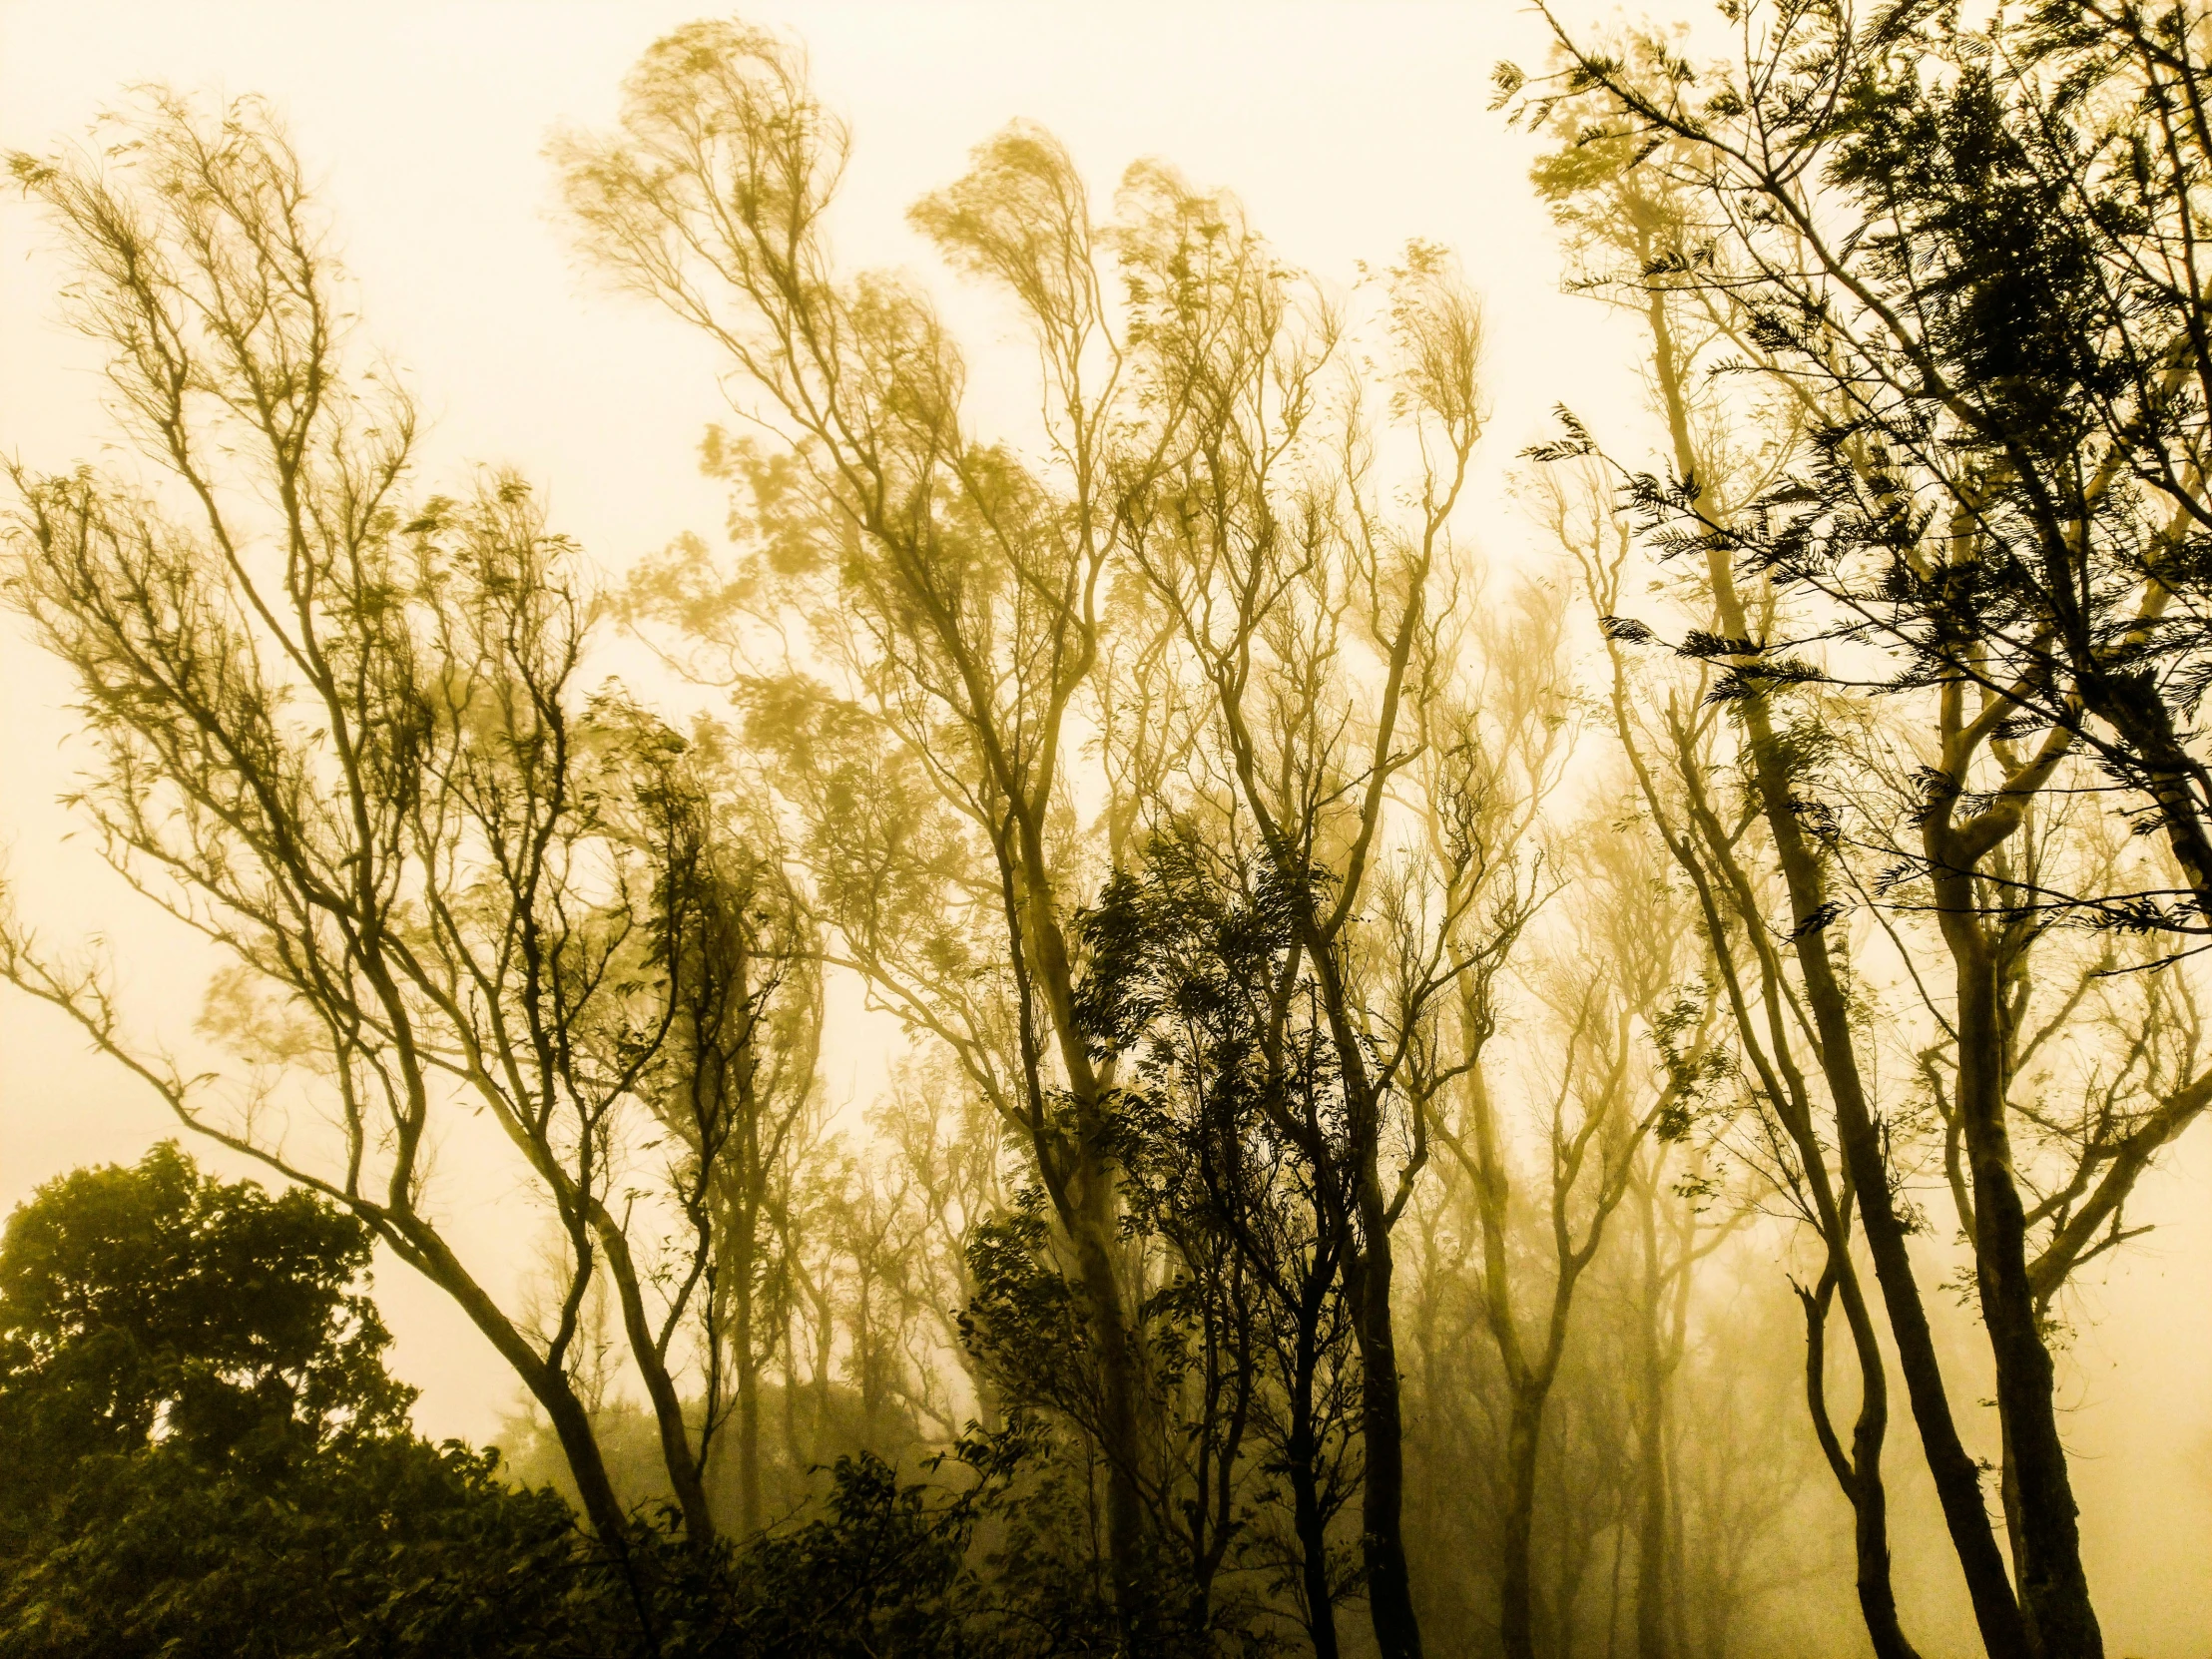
x: 1382, y: 1494
x: 824, y: 1380
x: 1307, y: 1521
x: 1957, y: 1477
x: 2046, y: 1535
x: 1654, y: 1588
x: 1119, y: 1425
x: 428, y: 1255
x: 1516, y: 1613
x: 747, y: 1365
x: 796, y: 1458
x: 572, y: 1427
x: 1860, y: 1476
x: 685, y: 1474
x: 1086, y: 1202
x: 1877, y: 1601
x: 610, y: 1526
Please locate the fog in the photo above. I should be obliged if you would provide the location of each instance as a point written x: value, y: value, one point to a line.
x: 484, y: 244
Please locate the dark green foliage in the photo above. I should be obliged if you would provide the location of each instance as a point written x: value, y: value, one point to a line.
x: 987, y: 1559
x: 379, y: 1546
x: 1965, y: 250
x: 214, y: 1463
x: 209, y: 1456
x: 155, y: 1301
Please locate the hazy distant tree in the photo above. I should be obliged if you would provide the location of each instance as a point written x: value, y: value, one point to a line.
x: 947, y: 1151
x: 1627, y: 220
x: 1631, y: 1040
x: 734, y: 1082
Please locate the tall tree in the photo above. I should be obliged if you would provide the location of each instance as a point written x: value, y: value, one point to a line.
x: 1316, y: 620
x: 955, y: 593
x: 335, y: 730
x: 1961, y: 253
x: 1197, y: 972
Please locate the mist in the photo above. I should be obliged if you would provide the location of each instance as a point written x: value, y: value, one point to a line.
x: 952, y: 830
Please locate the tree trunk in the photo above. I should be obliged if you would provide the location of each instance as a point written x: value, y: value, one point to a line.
x: 1119, y: 1427
x: 1958, y: 1476
x: 795, y: 1456
x: 2046, y: 1535
x: 423, y: 1250
x: 747, y: 1365
x: 686, y: 1478
x: 1861, y: 1477
x: 572, y: 1428
x: 1958, y: 1479
x: 1310, y: 1524
x: 1517, y: 1613
x: 1382, y: 1429
x: 1878, y: 1602
x: 1085, y: 1200
x: 1654, y: 1586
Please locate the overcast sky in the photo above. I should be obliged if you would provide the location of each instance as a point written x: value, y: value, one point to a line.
x: 1344, y: 129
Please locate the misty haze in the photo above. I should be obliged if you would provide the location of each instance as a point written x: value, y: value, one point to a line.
x: 1026, y: 832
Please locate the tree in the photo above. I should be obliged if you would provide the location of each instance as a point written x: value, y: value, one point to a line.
x: 953, y: 591
x: 334, y: 729
x: 1194, y: 973
x: 1959, y: 259
x: 1315, y: 625
x: 1627, y: 225
x: 1603, y: 1109
x: 211, y: 1459
x: 734, y: 1084
x: 158, y: 1304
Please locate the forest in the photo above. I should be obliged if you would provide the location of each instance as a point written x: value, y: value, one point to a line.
x: 1440, y: 1104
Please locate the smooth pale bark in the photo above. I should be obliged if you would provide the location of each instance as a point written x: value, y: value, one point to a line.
x: 1082, y: 1186
x: 1119, y: 1425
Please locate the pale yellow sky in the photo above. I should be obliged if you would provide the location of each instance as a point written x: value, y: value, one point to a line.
x: 1347, y: 129
x: 1344, y: 127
